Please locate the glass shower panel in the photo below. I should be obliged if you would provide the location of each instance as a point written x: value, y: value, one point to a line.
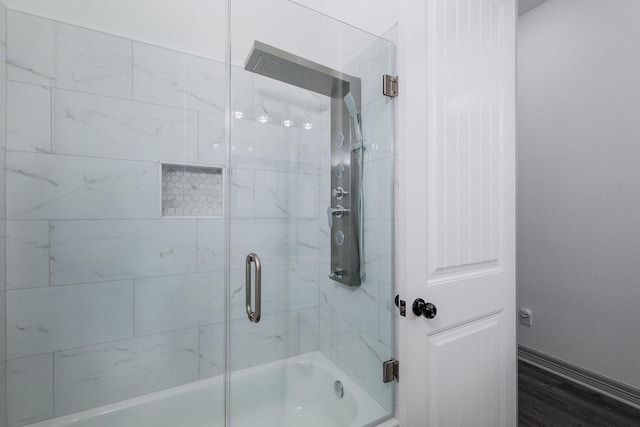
x: 115, y: 247
x: 310, y: 219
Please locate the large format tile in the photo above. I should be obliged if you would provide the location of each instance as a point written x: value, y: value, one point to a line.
x: 27, y: 256
x: 359, y: 306
x: 377, y: 129
x: 286, y: 195
x: 42, y: 320
x: 96, y: 375
x: 3, y: 39
x: 3, y: 394
x: 178, y: 302
x: 309, y: 245
x: 275, y: 337
x: 361, y: 356
x: 369, y: 65
x: 51, y: 53
x: 3, y: 184
x: 242, y: 197
x: 309, y: 319
x: 3, y: 111
x: 309, y: 149
x: 211, y: 244
x: 95, y: 251
x: 3, y: 327
x: 283, y: 288
x: 211, y: 350
x: 28, y: 117
x: 378, y: 241
x: 29, y: 389
x: 46, y: 186
x: 173, y: 78
x: 265, y: 146
x: 274, y: 240
x: 387, y: 313
x: 99, y: 126
x: 212, y: 141
x: 281, y: 101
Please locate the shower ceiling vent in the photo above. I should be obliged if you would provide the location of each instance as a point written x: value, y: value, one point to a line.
x: 191, y: 191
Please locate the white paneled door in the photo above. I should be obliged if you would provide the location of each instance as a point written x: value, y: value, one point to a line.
x: 457, y: 230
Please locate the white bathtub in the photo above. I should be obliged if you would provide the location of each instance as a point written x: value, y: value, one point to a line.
x: 298, y: 391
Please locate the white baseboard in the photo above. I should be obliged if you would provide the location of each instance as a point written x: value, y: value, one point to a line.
x: 614, y: 389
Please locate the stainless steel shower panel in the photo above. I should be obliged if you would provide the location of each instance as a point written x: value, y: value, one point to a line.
x: 344, y: 212
x: 288, y: 68
x: 345, y: 229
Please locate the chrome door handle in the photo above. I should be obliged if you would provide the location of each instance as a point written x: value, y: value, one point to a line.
x: 254, y: 316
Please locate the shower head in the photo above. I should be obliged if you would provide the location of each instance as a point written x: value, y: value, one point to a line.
x: 288, y: 68
x: 350, y: 102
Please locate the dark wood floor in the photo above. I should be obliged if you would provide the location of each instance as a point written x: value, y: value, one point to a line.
x: 546, y: 400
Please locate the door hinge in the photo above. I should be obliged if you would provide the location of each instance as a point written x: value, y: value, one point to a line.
x: 390, y: 371
x: 402, y: 306
x: 390, y: 85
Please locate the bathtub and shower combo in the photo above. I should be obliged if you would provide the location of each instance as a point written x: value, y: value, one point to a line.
x: 197, y: 234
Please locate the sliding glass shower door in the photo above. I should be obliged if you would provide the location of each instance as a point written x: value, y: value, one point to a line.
x: 310, y: 219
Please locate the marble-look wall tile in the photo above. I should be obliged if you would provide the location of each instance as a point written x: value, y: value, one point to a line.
x: 324, y: 332
x: 242, y: 93
x: 286, y: 195
x: 369, y: 65
x: 3, y: 41
x: 178, y: 302
x: 309, y: 150
x: 359, y: 306
x: 361, y: 356
x: 99, y: 126
x: 51, y: 53
x: 274, y: 240
x: 3, y: 394
x: 265, y: 146
x: 379, y: 250
x: 281, y: 101
x: 212, y: 141
x: 379, y: 189
x: 29, y: 389
x: 377, y: 129
x: 28, y: 117
x: 3, y: 110
x: 168, y: 77
x: 212, y: 350
x: 91, y: 376
x: 387, y: 312
x: 95, y: 251
x: 42, y: 320
x: 309, y: 319
x: 242, y: 195
x: 309, y: 235
x: 3, y: 328
x: 283, y: 288
x: 47, y: 186
x: 275, y: 337
x: 211, y: 244
x: 27, y: 254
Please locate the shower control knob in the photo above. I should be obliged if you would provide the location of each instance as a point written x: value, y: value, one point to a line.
x: 339, y: 193
x: 426, y: 309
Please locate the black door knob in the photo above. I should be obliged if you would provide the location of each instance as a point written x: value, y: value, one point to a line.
x: 426, y: 309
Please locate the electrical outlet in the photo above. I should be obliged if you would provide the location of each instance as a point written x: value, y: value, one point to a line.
x: 526, y: 317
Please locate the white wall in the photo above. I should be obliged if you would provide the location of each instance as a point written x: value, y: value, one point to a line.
x: 579, y: 183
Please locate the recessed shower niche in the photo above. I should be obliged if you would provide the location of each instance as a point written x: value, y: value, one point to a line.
x: 190, y: 190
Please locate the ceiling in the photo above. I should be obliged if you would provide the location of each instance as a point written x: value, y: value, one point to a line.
x: 525, y: 6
